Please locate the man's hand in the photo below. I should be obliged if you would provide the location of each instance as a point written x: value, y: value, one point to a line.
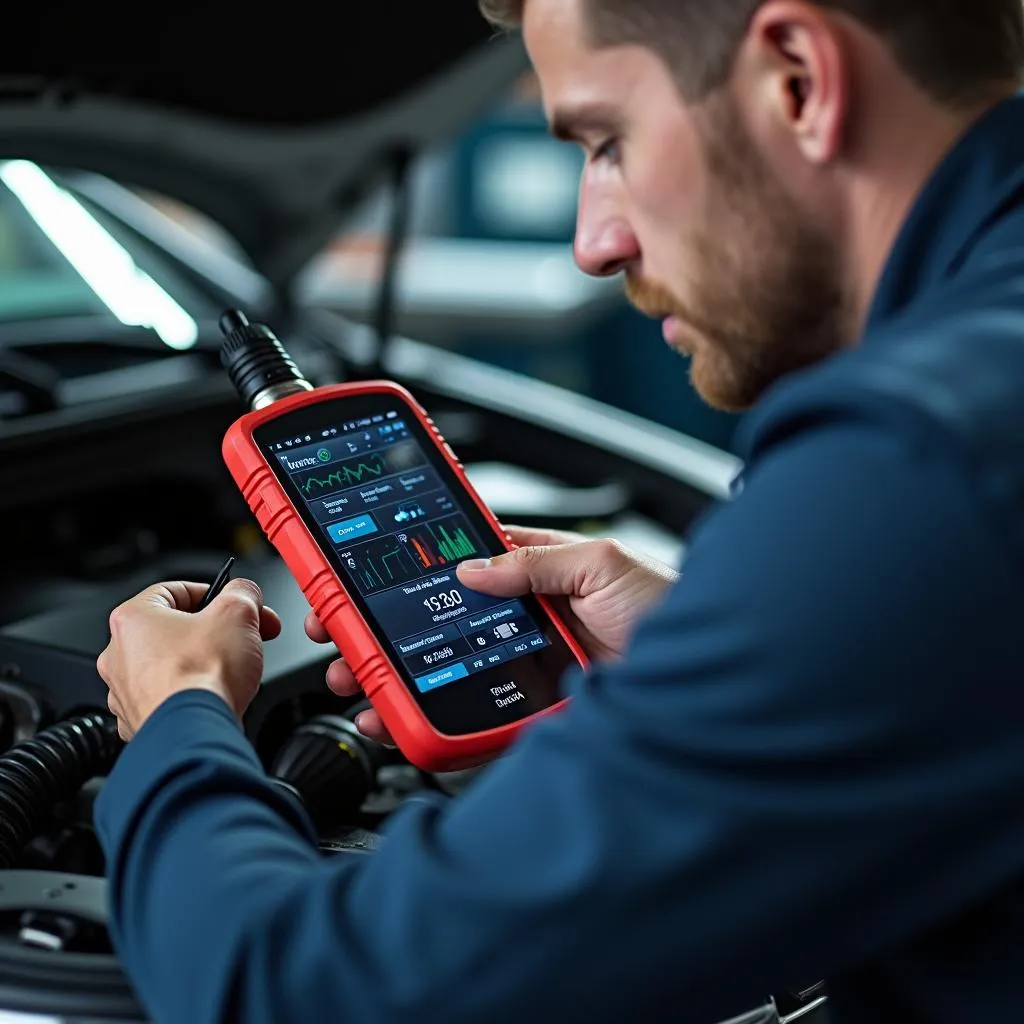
x: 158, y: 647
x: 600, y: 589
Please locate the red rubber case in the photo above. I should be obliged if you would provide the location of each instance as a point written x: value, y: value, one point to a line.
x: 412, y: 731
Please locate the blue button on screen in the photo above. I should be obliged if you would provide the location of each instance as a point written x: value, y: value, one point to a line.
x: 349, y: 529
x: 441, y: 677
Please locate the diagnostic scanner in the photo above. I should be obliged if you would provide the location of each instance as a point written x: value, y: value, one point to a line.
x: 370, y: 509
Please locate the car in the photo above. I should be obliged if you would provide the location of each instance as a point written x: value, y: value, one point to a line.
x: 113, y: 403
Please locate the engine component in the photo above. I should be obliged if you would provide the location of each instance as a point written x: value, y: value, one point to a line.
x: 37, y: 774
x: 332, y: 767
x: 22, y: 712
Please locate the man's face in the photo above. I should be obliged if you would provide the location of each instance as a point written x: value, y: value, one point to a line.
x: 679, y: 198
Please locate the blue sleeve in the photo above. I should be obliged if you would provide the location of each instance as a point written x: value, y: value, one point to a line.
x: 811, y: 752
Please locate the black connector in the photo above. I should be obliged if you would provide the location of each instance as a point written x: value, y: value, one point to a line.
x: 256, y: 362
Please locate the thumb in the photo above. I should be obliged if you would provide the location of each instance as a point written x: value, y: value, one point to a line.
x: 241, y: 600
x: 539, y: 569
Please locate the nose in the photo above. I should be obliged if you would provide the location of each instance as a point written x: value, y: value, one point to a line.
x: 605, y: 243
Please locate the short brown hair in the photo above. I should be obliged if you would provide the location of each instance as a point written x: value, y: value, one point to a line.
x: 954, y: 49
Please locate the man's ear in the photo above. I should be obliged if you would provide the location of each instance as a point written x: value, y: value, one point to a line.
x: 797, y: 60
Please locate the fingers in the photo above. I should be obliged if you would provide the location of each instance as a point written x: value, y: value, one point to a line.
x: 566, y: 569
x: 341, y: 680
x: 240, y: 598
x: 497, y: 576
x: 370, y: 725
x: 270, y: 623
x: 180, y: 595
x: 177, y: 595
x: 315, y: 630
x: 542, y: 570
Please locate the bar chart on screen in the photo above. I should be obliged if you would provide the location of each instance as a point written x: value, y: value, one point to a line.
x: 439, y: 543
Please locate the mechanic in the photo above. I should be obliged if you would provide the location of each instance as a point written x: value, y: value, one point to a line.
x: 802, y: 760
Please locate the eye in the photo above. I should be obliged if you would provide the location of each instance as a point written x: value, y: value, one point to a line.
x: 607, y: 150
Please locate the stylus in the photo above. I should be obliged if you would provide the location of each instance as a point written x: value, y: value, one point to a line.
x: 218, y: 584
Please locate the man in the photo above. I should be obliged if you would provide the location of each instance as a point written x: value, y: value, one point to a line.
x: 805, y: 759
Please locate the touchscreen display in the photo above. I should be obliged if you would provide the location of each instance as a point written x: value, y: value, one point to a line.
x: 380, y: 505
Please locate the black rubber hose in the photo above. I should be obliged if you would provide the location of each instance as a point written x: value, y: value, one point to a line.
x: 37, y: 774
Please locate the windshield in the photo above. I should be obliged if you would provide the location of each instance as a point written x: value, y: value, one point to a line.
x: 59, y: 258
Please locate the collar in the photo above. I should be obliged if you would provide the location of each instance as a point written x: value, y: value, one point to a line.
x: 970, y: 189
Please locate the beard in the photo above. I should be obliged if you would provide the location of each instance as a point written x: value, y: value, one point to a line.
x: 764, y: 297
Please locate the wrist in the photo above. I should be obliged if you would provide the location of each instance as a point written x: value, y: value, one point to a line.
x: 210, y: 682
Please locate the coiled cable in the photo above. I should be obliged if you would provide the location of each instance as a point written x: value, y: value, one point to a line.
x: 37, y: 774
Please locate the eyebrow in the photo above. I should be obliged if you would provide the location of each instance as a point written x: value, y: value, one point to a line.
x: 570, y: 124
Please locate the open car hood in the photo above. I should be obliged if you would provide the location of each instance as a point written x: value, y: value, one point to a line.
x: 273, y: 127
